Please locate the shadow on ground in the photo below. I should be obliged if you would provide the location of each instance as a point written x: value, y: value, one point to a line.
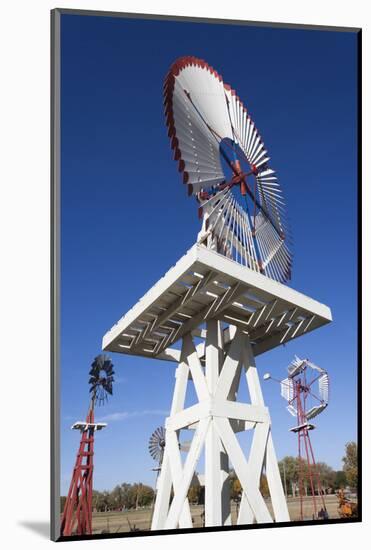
x: 42, y: 528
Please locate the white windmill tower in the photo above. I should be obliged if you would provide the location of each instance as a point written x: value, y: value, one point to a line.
x: 227, y: 292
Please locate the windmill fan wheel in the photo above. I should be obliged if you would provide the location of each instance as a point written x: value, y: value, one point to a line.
x: 156, y: 444
x: 101, y: 378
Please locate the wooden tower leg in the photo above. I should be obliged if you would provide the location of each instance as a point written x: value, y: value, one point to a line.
x: 172, y: 467
x: 277, y: 494
x: 217, y: 493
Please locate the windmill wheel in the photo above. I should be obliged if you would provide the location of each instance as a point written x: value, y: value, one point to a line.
x: 313, y: 382
x: 101, y: 378
x: 156, y: 444
x: 225, y: 165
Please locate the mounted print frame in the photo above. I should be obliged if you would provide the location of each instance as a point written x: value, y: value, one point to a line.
x: 205, y: 337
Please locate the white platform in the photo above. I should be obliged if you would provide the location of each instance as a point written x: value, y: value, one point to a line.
x: 204, y: 285
x: 85, y: 426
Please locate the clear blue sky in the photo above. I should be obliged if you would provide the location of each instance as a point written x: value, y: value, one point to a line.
x: 126, y: 218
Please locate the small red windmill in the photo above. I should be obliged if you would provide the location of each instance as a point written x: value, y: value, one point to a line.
x: 77, y: 513
x: 307, y: 390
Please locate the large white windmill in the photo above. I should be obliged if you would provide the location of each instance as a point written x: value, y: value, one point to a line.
x: 224, y: 301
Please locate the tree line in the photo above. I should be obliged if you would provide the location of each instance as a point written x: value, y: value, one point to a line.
x: 129, y: 496
x: 331, y: 480
x: 126, y: 496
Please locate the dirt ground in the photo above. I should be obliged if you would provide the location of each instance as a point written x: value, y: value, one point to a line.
x: 116, y: 522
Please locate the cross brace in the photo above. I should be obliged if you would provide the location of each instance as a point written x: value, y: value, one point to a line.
x: 215, y: 419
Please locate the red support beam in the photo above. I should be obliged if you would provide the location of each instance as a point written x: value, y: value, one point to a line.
x: 77, y: 513
x: 305, y: 453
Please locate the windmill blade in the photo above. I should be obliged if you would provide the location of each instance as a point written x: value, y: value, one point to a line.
x: 287, y: 389
x: 272, y: 249
x: 323, y: 385
x: 231, y: 228
x: 315, y: 411
x: 296, y: 366
x: 94, y: 370
x: 99, y: 361
x: 107, y: 387
x: 314, y: 367
x: 292, y: 410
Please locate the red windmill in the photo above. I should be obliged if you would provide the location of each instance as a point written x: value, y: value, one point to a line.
x: 306, y: 389
x: 77, y: 513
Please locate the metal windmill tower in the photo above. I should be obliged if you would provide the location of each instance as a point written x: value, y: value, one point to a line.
x: 77, y: 513
x: 223, y: 300
x: 306, y: 389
